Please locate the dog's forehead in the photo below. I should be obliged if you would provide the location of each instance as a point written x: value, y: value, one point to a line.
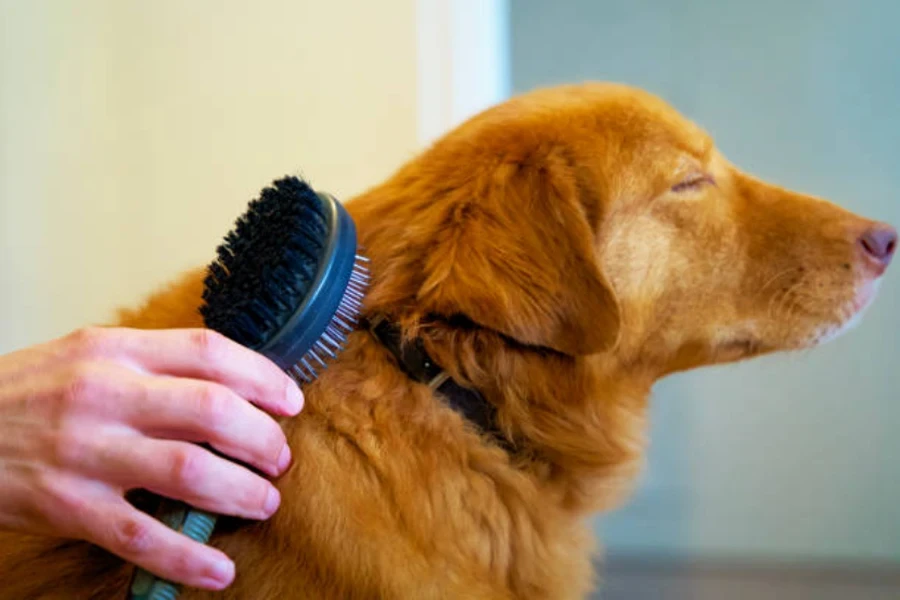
x: 648, y: 122
x: 621, y: 119
x: 588, y: 119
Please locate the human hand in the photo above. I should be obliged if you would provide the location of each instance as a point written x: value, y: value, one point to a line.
x: 89, y: 416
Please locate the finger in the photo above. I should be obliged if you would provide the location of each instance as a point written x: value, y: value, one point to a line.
x: 208, y: 412
x: 177, y: 408
x: 203, y: 354
x: 140, y: 539
x: 177, y: 470
x: 75, y: 507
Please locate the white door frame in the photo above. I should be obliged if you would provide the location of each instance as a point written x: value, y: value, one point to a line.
x: 462, y: 62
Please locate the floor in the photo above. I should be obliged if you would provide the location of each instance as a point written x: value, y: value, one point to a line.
x: 641, y: 579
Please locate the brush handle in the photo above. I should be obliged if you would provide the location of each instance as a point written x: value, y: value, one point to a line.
x: 194, y: 523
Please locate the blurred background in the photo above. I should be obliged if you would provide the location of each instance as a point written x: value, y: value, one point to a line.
x: 132, y: 133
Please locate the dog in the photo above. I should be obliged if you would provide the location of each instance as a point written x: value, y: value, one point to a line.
x: 557, y: 254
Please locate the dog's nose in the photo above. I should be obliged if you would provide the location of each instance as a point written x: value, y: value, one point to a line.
x: 878, y: 243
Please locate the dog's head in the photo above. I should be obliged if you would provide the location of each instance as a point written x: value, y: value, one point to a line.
x: 596, y: 219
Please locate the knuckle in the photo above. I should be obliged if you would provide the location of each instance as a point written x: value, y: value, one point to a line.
x: 52, y: 494
x: 132, y: 537
x: 89, y: 341
x: 81, y: 384
x: 68, y: 501
x: 186, y: 467
x: 212, y: 406
x: 207, y: 343
x: 68, y: 448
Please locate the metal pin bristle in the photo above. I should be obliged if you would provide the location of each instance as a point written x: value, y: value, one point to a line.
x: 333, y: 340
x: 308, y: 367
x: 342, y: 325
x: 298, y: 373
x: 325, y: 349
x: 347, y: 313
x: 327, y: 338
x: 316, y: 356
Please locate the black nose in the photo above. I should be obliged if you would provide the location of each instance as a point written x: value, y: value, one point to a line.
x: 879, y: 243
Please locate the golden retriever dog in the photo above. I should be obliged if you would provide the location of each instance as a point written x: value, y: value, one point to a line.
x: 558, y: 253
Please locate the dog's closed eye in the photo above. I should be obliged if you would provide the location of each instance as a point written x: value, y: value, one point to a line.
x: 693, y: 182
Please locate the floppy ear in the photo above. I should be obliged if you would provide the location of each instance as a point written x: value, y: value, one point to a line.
x: 517, y: 255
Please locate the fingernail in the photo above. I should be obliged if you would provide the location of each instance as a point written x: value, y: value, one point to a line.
x: 222, y: 571
x: 273, y: 499
x: 294, y: 398
x: 284, y: 459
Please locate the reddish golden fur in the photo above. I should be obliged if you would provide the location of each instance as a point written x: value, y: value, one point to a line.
x: 550, y: 224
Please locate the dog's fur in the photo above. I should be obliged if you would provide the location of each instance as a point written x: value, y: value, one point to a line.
x: 560, y: 253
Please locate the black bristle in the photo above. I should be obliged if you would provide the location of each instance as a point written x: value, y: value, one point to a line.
x: 267, y: 263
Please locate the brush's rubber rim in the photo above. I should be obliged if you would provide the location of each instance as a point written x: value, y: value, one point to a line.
x: 310, y: 320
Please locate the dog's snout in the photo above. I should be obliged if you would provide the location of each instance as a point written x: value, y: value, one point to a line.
x: 878, y: 243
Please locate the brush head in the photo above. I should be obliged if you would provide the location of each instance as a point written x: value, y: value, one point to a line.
x: 287, y: 281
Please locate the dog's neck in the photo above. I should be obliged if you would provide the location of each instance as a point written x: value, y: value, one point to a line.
x: 413, y: 359
x: 575, y: 423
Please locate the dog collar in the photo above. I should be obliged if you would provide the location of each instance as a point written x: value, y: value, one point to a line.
x: 413, y: 359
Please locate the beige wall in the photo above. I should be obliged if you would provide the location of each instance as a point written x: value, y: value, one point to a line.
x: 133, y: 133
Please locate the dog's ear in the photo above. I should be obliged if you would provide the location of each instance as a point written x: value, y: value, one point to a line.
x: 516, y: 254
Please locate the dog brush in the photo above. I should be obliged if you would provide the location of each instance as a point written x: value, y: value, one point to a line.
x: 288, y: 283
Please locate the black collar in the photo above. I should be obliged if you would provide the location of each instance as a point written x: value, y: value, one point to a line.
x: 413, y: 359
